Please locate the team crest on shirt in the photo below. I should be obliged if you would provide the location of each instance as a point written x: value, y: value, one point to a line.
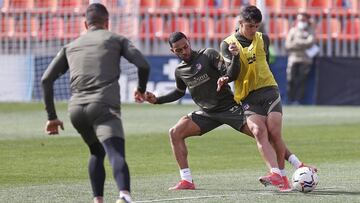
x: 246, y: 107
x: 198, y: 66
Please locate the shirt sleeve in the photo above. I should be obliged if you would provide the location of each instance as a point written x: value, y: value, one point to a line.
x: 266, y: 47
x: 134, y: 56
x: 175, y: 94
x: 58, y: 66
x: 232, y: 62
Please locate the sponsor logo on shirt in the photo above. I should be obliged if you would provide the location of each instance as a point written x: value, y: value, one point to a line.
x: 196, y: 81
x: 246, y: 106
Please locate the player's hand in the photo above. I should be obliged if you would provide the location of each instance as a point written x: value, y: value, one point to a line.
x: 221, y: 81
x: 138, y: 96
x: 150, y: 97
x: 52, y: 126
x: 233, y: 49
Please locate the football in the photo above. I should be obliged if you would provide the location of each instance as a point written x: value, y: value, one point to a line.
x: 305, y: 179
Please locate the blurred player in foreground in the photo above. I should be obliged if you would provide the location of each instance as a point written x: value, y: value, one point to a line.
x: 257, y: 89
x: 93, y: 61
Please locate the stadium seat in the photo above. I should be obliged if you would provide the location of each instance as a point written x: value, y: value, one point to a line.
x: 166, y: 4
x: 147, y: 6
x: 328, y: 28
x: 278, y: 28
x: 192, y: 5
x: 151, y: 28
x: 17, y: 5
x: 177, y: 24
x: 7, y: 27
x: 202, y: 28
x: 72, y: 27
x: 294, y: 4
x: 24, y: 28
x: 51, y: 28
x: 319, y: 6
x: 224, y: 27
x: 292, y: 7
x: 69, y: 5
x: 351, y: 30
x: 45, y: 4
x: 273, y: 5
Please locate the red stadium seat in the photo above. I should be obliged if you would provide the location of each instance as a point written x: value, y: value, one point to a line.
x: 17, y: 5
x: 292, y: 7
x: 45, y: 4
x: 23, y: 28
x: 166, y: 4
x: 51, y: 28
x: 152, y: 28
x: 320, y: 4
x: 202, y: 28
x: 294, y: 4
x: 147, y: 6
x: 273, y: 5
x: 177, y: 24
x: 7, y: 27
x: 278, y: 28
x: 331, y: 28
x: 351, y: 30
x: 225, y: 27
x: 191, y: 4
x: 72, y: 5
x: 73, y: 27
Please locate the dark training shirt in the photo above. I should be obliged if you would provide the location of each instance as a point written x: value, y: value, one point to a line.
x: 93, y: 60
x: 200, y: 76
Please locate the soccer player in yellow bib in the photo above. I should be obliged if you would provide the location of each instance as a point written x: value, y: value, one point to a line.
x: 256, y: 88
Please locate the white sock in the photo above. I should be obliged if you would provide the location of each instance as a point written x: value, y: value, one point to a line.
x: 126, y: 196
x: 185, y: 174
x: 294, y: 161
x: 283, y: 172
x: 276, y: 170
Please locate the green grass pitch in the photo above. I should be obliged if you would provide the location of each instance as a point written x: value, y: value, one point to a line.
x: 35, y: 167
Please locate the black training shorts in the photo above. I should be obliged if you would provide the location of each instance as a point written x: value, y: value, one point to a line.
x: 207, y: 121
x: 262, y: 101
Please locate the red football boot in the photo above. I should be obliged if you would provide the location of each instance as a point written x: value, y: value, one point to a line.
x: 272, y: 179
x: 183, y: 185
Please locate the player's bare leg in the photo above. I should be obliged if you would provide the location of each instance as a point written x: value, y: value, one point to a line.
x: 257, y: 125
x: 274, y: 126
x: 184, y: 128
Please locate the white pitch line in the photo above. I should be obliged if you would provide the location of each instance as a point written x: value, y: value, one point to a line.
x: 183, y: 198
